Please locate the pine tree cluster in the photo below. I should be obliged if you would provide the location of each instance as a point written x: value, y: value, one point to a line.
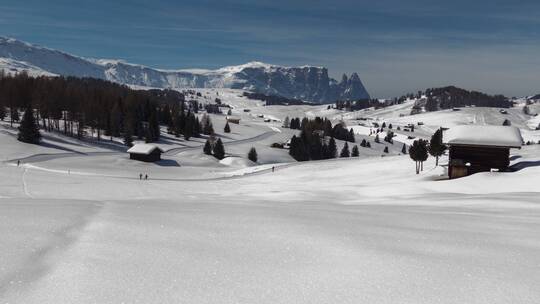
x: 74, y: 105
x: 181, y: 123
x: 311, y: 147
x: 215, y: 148
x: 338, y: 131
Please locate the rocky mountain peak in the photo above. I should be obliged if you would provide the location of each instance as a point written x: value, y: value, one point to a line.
x: 308, y: 83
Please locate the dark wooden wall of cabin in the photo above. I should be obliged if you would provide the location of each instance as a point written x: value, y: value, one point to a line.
x: 152, y: 157
x: 481, y: 158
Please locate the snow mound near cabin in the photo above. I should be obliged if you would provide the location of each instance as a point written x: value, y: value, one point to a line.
x: 234, y: 161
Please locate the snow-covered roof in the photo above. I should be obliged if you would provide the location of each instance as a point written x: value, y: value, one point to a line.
x: 494, y: 136
x: 143, y: 149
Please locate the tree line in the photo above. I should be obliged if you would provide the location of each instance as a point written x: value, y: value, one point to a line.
x: 435, y: 99
x: 322, y: 126
x: 76, y: 106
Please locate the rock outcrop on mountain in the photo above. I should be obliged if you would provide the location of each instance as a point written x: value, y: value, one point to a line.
x: 307, y: 83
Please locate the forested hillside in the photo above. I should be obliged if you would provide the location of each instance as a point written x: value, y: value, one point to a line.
x: 73, y: 105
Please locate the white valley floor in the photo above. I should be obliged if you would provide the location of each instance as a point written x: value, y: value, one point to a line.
x: 343, y: 231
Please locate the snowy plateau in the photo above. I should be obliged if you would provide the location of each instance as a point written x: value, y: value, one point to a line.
x: 307, y: 83
x: 79, y: 226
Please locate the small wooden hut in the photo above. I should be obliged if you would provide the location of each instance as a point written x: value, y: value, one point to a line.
x: 474, y: 149
x: 234, y: 120
x: 145, y: 152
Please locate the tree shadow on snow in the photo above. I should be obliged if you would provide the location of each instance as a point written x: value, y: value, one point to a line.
x: 514, y: 157
x: 53, y: 146
x: 524, y: 164
x: 167, y: 163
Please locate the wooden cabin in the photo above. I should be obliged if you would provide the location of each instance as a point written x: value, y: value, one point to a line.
x: 474, y: 149
x: 234, y: 120
x: 145, y: 152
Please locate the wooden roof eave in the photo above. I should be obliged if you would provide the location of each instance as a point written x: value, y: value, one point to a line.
x: 484, y: 146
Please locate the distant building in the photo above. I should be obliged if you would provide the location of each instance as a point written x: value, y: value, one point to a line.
x: 234, y: 120
x: 476, y: 149
x: 145, y: 152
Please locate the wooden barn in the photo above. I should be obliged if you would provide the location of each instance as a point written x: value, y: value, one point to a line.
x: 234, y: 120
x: 145, y: 152
x: 474, y: 149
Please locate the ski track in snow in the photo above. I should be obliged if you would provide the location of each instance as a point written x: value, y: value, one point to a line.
x: 25, y: 184
x: 42, y: 260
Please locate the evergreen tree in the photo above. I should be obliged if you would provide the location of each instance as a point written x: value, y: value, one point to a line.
x: 128, y: 130
x: 166, y: 117
x: 207, y: 149
x: 14, y: 115
x: 385, y: 150
x: 345, y: 151
x: 219, y: 149
x: 152, y: 132
x: 332, y: 148
x: 315, y: 148
x: 293, y: 147
x: 389, y: 138
x: 351, y: 136
x: 355, y: 151
x: 128, y: 138
x: 182, y: 120
x: 207, y: 127
x: 436, y: 146
x: 116, y: 119
x: 368, y: 145
x: 363, y: 143
x: 286, y: 122
x: 28, y: 129
x: 174, y: 124
x: 404, y: 149
x: 419, y: 153
x: 2, y: 112
x: 431, y: 104
x: 227, y: 129
x: 252, y: 155
x: 377, y: 140
x: 196, y: 127
x: 324, y: 151
x: 507, y: 123
x: 189, y: 126
x: 298, y: 149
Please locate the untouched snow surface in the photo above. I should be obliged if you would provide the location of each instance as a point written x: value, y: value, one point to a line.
x: 341, y: 231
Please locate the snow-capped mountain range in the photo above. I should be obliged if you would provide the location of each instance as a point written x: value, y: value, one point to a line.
x: 306, y: 82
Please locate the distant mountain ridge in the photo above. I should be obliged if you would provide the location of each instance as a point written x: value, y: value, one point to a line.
x: 307, y: 82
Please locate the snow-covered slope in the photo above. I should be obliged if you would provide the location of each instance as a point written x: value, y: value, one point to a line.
x: 306, y: 82
x: 84, y: 229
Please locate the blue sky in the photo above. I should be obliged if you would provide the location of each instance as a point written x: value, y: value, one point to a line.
x: 395, y: 46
